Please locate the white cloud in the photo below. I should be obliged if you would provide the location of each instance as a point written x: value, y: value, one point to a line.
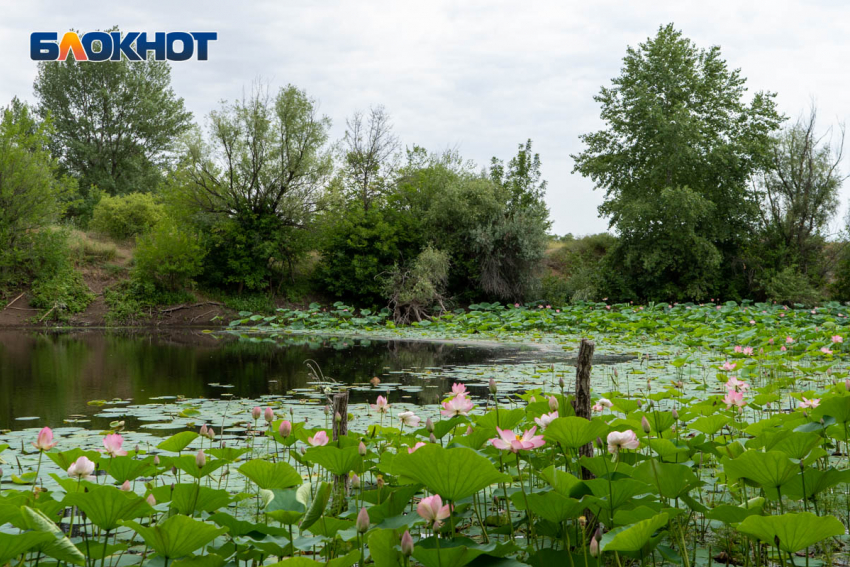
x: 478, y: 75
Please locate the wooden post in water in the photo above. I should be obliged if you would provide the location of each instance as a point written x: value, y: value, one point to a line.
x: 584, y: 363
x: 339, y: 408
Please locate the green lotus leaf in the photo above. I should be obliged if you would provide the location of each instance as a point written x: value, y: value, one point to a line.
x: 792, y: 532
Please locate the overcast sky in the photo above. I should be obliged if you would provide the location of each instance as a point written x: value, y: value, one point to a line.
x: 481, y: 76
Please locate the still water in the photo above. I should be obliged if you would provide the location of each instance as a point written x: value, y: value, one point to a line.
x: 47, y: 378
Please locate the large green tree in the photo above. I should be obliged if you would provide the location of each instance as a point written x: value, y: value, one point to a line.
x: 115, y: 122
x: 680, y: 145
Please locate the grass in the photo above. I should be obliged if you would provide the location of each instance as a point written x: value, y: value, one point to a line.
x: 87, y: 250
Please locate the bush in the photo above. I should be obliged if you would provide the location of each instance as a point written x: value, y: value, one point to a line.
x: 414, y: 292
x: 169, y: 255
x: 124, y: 217
x: 62, y: 293
x: 790, y: 286
x: 575, y: 269
x: 134, y: 299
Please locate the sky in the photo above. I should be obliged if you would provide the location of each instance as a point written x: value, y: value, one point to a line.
x: 477, y: 76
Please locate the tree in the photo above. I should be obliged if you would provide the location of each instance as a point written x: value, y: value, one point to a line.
x: 31, y: 193
x: 371, y: 150
x: 115, y: 122
x: 258, y: 177
x: 799, y: 192
x: 676, y: 119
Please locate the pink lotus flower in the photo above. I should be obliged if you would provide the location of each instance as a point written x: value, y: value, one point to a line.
x: 729, y: 366
x: 81, y: 469
x: 752, y: 322
x: 605, y: 402
x: 512, y: 442
x: 409, y: 418
x: 544, y: 420
x: 622, y: 440
x: 738, y: 348
x: 597, y: 408
x: 285, y: 428
x: 319, y: 439
x: 837, y: 339
x: 516, y: 304
x: 734, y: 398
x: 783, y: 349
x: 770, y: 341
x: 733, y: 384
x: 113, y: 443
x: 44, y: 441
x: 432, y: 509
x: 809, y: 403
x: 825, y: 350
x: 748, y: 350
x: 381, y: 405
x: 459, y: 405
x: 788, y: 340
x: 256, y: 412
x: 412, y: 449
x: 458, y: 389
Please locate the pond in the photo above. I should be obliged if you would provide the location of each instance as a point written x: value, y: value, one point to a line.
x: 50, y: 378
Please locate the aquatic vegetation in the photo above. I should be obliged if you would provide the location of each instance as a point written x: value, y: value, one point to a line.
x: 702, y: 452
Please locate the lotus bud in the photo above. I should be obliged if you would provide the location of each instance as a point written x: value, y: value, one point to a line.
x: 355, y: 480
x: 553, y: 403
x: 125, y: 487
x: 173, y: 470
x: 492, y: 386
x: 468, y: 430
x: 303, y: 450
x: 561, y: 382
x: 645, y: 424
x: 532, y: 400
x: 599, y: 442
x: 136, y: 449
x: 256, y: 412
x: 362, y: 449
x: 406, y: 544
x: 639, y: 403
x: 362, y: 523
x: 740, y: 410
x: 338, y: 417
x: 200, y: 459
x: 203, y: 430
x: 326, y: 409
x: 285, y: 428
x: 269, y: 415
x: 150, y: 500
x: 432, y: 439
x: 594, y: 547
x: 375, y: 381
x: 429, y: 425
x: 847, y: 384
x: 616, y: 373
x: 156, y: 460
x: 210, y: 433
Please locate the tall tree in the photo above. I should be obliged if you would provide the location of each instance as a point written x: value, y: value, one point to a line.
x: 678, y: 133
x: 370, y: 155
x: 799, y: 191
x: 115, y: 122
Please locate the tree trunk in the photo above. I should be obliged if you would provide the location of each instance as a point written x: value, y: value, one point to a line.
x: 582, y: 399
x: 340, y: 427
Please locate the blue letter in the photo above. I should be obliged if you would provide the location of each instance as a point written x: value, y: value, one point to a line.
x: 188, y: 46
x: 124, y: 46
x: 105, y: 45
x: 157, y: 46
x: 43, y: 46
x: 203, y: 38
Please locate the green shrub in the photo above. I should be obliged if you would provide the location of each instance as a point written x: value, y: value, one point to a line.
x: 169, y: 255
x: 127, y: 216
x: 35, y: 255
x: 134, y: 299
x: 61, y: 294
x: 791, y: 286
x: 413, y: 292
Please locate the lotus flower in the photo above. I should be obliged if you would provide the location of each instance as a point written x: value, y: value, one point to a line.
x: 837, y: 339
x: 256, y: 412
x: 748, y: 350
x: 113, y: 443
x: 733, y: 384
x: 788, y: 340
x: 44, y: 441
x: 729, y: 366
x: 413, y: 449
x: 738, y: 348
x: 544, y: 420
x: 319, y: 439
x: 409, y: 418
x: 809, y: 403
x: 509, y: 441
x: 597, y: 408
x: 381, y: 405
x: 81, y: 469
x: 622, y: 440
x: 734, y: 398
x: 459, y: 405
x: 432, y: 509
x: 458, y: 389
x: 604, y: 402
x: 825, y: 350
